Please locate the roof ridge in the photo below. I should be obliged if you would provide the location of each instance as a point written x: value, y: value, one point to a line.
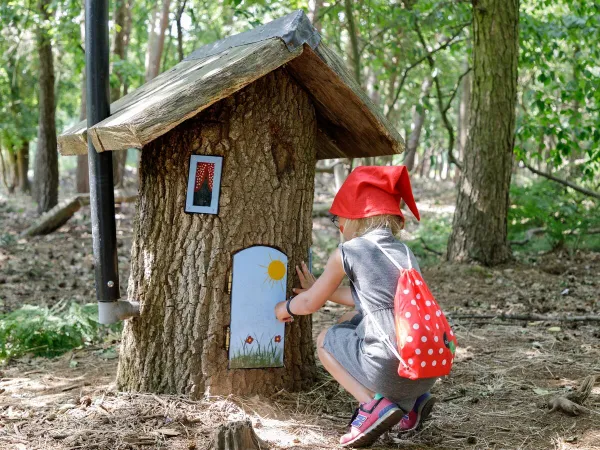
x: 294, y: 30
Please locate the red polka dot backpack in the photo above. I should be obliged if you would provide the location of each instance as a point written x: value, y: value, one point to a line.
x: 425, y: 342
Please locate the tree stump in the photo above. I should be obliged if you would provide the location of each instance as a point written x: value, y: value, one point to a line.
x: 181, y: 263
x: 237, y: 436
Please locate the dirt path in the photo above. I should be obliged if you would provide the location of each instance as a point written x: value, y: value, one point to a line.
x: 505, y: 373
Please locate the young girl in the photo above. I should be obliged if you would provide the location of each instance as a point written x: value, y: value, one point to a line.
x: 367, y: 210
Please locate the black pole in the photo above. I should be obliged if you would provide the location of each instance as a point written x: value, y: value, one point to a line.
x: 102, y: 197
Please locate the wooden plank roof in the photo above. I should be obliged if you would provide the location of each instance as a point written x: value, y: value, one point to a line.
x: 349, y: 125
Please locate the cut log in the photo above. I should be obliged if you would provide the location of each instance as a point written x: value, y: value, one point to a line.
x: 237, y: 436
x: 61, y: 213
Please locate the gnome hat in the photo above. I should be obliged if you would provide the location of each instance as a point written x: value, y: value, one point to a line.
x: 374, y: 190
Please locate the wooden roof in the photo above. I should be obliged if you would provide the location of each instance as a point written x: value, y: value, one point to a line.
x: 349, y: 124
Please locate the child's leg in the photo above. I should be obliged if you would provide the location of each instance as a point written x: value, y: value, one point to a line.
x: 337, y: 371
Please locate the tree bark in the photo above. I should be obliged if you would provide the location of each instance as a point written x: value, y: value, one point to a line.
x: 180, y: 263
x: 157, y: 41
x: 82, y: 176
x: 23, y: 167
x: 315, y: 16
x: 46, y: 158
x: 119, y: 51
x: 479, y: 228
x: 463, y: 113
x: 180, y: 10
x: 353, y: 40
x: 418, y: 118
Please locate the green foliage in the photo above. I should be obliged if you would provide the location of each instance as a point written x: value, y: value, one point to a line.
x: 44, y: 331
x: 558, y: 117
x: 566, y: 216
x: 432, y: 234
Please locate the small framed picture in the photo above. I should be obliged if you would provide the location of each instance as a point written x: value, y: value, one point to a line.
x: 204, y: 184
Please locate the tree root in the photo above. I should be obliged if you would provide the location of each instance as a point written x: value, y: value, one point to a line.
x: 572, y: 404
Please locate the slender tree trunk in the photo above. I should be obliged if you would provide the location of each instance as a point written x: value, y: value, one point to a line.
x: 180, y: 11
x: 180, y: 263
x: 46, y: 158
x: 157, y: 41
x: 14, y: 170
x: 479, y: 228
x: 463, y: 113
x: 82, y: 177
x: 348, y: 4
x: 23, y: 167
x: 418, y: 118
x: 3, y: 170
x: 315, y: 14
x: 119, y: 51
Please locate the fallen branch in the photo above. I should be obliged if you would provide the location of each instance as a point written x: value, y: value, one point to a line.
x: 563, y: 182
x: 528, y: 317
x: 528, y: 235
x: 61, y: 213
x: 429, y: 249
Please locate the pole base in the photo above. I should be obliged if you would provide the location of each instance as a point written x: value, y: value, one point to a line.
x: 112, y: 312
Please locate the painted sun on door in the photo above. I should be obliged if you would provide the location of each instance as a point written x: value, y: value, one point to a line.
x: 259, y: 283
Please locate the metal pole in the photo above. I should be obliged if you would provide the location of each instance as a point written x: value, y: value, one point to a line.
x: 102, y: 200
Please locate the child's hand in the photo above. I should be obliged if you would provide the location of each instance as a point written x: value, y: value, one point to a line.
x: 281, y: 313
x: 307, y: 279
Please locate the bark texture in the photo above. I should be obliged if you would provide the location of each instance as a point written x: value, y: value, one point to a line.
x: 418, y: 118
x: 479, y: 228
x: 82, y: 175
x: 181, y: 263
x: 157, y: 40
x: 119, y: 51
x: 46, y: 158
x: 23, y: 167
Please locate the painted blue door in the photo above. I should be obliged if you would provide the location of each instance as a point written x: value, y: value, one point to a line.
x: 259, y: 282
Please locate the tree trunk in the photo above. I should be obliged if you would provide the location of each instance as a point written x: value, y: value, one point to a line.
x: 14, y: 170
x: 23, y: 167
x: 353, y: 39
x: 46, y: 158
x: 119, y: 51
x: 463, y: 113
x: 315, y: 16
x: 82, y: 176
x: 181, y: 263
x: 418, y: 118
x: 479, y: 229
x: 157, y: 41
x: 180, y: 10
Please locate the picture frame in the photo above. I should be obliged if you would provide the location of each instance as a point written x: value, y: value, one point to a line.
x: 204, y: 184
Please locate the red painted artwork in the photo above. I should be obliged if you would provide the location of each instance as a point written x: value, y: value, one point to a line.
x: 205, y: 174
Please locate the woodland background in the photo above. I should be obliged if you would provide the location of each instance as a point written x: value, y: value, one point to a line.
x: 520, y: 346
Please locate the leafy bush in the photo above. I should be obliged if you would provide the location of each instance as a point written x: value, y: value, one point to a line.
x: 565, y: 215
x: 44, y: 331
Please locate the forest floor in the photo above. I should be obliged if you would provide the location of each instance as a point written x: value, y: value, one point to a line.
x: 506, y: 371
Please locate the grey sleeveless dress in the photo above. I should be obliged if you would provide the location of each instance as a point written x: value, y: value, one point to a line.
x: 356, y: 344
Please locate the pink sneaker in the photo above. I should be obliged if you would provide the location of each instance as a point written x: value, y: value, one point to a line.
x: 418, y: 414
x: 371, y: 420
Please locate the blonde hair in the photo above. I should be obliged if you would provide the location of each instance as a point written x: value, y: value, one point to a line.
x: 363, y: 226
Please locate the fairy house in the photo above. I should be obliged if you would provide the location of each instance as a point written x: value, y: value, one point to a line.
x: 229, y: 138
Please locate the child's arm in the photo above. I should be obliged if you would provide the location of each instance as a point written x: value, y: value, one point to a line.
x: 312, y: 299
x: 342, y: 295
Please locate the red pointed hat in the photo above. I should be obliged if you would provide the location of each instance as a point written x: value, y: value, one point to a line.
x: 374, y: 190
